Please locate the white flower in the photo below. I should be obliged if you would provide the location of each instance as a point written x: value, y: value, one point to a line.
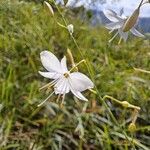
x: 70, y: 28
x: 63, y: 80
x: 117, y: 23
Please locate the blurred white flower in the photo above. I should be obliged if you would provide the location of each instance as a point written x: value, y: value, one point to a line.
x: 117, y: 23
x: 63, y: 80
x: 70, y: 28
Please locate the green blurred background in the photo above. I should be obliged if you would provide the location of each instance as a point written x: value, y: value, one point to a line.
x: 26, y: 29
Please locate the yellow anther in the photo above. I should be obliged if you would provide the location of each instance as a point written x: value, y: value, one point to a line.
x: 66, y: 75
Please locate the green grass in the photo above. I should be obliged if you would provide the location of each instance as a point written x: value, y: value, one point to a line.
x: 26, y: 30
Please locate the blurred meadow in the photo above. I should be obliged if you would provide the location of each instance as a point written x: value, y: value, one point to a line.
x: 26, y: 29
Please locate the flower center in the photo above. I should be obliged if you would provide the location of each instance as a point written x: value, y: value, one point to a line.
x: 66, y: 75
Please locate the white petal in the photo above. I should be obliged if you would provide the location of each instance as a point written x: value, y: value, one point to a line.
x: 62, y: 86
x: 80, y: 82
x: 64, y: 65
x: 79, y: 95
x: 136, y: 33
x: 114, y: 25
x: 50, y: 61
x: 111, y: 15
x: 124, y: 35
x: 50, y: 75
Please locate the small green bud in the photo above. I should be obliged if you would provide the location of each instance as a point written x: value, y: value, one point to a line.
x: 125, y: 104
x: 132, y: 127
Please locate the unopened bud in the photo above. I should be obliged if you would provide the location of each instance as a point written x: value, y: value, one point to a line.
x: 132, y: 127
x: 49, y: 8
x: 70, y: 28
x: 125, y: 104
x: 131, y: 21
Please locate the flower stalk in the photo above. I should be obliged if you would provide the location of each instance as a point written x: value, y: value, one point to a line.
x: 125, y: 104
x: 142, y: 70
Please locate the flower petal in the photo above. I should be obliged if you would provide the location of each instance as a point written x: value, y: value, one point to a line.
x: 80, y: 82
x: 62, y: 86
x: 64, y: 65
x: 50, y: 75
x: 50, y: 61
x: 136, y: 32
x: 124, y: 35
x: 114, y: 25
x: 111, y: 15
x: 79, y: 95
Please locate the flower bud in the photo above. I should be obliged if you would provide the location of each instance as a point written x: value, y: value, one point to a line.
x: 125, y: 104
x: 131, y: 21
x: 70, y: 28
x: 132, y: 127
x: 49, y: 8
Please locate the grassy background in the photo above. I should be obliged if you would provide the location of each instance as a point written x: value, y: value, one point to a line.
x: 26, y: 30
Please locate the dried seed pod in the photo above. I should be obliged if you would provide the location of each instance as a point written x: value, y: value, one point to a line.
x: 131, y: 21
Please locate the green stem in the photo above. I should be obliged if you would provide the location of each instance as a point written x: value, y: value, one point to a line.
x: 140, y: 4
x: 142, y: 70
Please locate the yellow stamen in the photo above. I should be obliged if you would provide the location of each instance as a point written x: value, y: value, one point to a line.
x: 46, y: 86
x: 66, y: 75
x: 113, y: 37
x: 58, y: 98
x: 45, y: 100
x: 82, y: 61
x: 120, y: 41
